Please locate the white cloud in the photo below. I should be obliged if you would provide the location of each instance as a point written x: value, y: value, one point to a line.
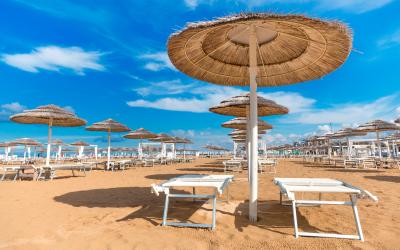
x: 54, y: 58
x: 8, y: 109
x: 157, y: 61
x: 382, y: 108
x: 169, y: 87
x: 324, y: 129
x: 294, y: 101
x: 192, y: 4
x: 203, y: 96
x: 390, y: 40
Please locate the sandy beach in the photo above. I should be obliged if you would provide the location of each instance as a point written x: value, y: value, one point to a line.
x: 116, y: 210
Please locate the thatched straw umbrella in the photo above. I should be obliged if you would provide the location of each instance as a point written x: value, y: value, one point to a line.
x: 162, y: 138
x: 108, y: 126
x: 27, y: 142
x: 81, y: 145
x: 241, y: 123
x: 50, y: 115
x: 259, y: 50
x: 58, y: 143
x: 347, y: 133
x: 377, y: 126
x: 140, y: 134
x: 394, y: 138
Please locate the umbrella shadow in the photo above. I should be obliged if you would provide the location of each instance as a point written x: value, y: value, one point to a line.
x: 163, y: 177
x: 343, y: 170
x: 272, y: 216
x: 395, y: 179
x: 148, y: 206
x: 202, y: 169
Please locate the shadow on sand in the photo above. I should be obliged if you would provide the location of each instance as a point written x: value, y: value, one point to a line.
x: 272, y: 215
x: 395, y: 179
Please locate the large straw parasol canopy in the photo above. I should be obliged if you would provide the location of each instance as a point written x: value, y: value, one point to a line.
x: 140, y: 133
x: 291, y: 49
x: 27, y: 142
x: 377, y: 126
x: 43, y: 114
x: 241, y: 123
x: 237, y: 106
x: 108, y: 125
x: 346, y: 132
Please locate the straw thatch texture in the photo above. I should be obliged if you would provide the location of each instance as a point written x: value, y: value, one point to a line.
x: 347, y: 132
x: 108, y: 125
x: 27, y: 142
x: 241, y: 123
x: 140, y: 133
x: 57, y: 142
x: 377, y: 126
x: 291, y: 49
x: 80, y: 143
x: 162, y: 137
x: 215, y: 148
x: 397, y: 120
x: 43, y: 114
x: 237, y: 106
x: 244, y: 132
x: 395, y: 136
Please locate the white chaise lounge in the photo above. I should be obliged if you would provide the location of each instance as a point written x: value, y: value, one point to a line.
x: 290, y: 186
x: 217, y: 182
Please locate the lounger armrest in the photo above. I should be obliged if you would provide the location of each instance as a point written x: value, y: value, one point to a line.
x: 364, y: 194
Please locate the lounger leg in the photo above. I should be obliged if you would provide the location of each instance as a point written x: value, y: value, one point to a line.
x: 214, y: 211
x: 296, y: 230
x: 356, y: 217
x: 73, y: 173
x: 164, y: 222
x: 4, y: 175
x: 16, y: 175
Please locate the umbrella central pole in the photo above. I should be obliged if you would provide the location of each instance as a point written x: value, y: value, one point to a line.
x: 49, y: 143
x: 379, y: 144
x: 109, y: 149
x: 253, y: 126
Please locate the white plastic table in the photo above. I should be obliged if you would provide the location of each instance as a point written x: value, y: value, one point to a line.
x: 217, y: 182
x: 290, y: 186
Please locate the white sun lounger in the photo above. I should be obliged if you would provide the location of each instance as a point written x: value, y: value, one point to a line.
x: 217, y: 182
x: 290, y: 186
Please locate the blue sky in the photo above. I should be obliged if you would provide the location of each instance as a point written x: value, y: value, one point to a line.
x: 107, y: 59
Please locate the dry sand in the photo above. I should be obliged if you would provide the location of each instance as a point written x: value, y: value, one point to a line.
x: 116, y: 210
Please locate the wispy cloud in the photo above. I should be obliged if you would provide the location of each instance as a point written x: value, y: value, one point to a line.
x: 156, y: 61
x: 390, y: 40
x: 8, y: 109
x: 54, y: 58
x: 382, y: 108
x: 168, y: 87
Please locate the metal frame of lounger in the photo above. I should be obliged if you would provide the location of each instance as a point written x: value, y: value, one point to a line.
x: 289, y: 186
x: 218, y: 182
x: 54, y: 168
x: 267, y: 163
x: 232, y: 165
x: 8, y: 169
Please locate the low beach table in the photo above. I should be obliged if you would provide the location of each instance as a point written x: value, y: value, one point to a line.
x: 217, y: 182
x: 290, y: 186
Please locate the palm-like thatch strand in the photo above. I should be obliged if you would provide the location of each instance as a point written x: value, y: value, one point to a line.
x: 237, y: 106
x: 244, y: 132
x: 27, y: 142
x: 291, y: 49
x: 43, y: 114
x: 347, y: 132
x: 80, y: 143
x: 241, y: 123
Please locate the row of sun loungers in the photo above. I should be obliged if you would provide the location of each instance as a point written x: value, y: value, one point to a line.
x: 355, y: 163
x: 237, y: 165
